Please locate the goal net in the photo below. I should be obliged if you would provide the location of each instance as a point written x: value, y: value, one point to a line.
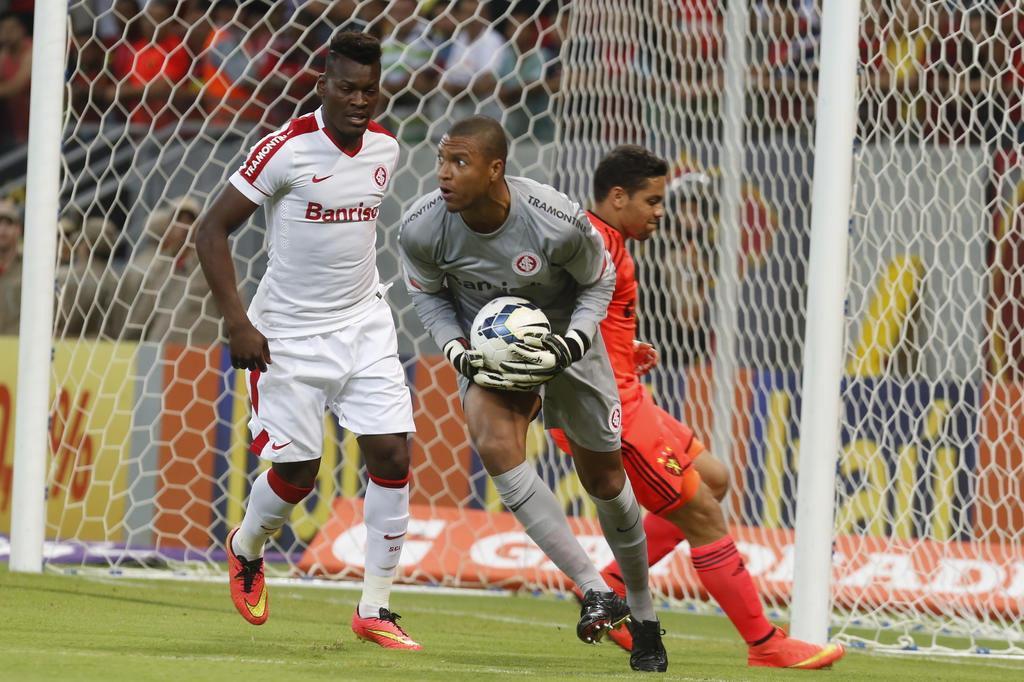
x: 150, y: 466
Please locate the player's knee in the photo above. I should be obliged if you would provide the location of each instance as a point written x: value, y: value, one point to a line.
x: 387, y: 456
x: 603, y: 483
x: 701, y: 519
x: 299, y: 474
x: 714, y: 474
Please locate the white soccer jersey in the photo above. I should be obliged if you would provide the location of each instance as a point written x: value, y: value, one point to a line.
x: 321, y: 204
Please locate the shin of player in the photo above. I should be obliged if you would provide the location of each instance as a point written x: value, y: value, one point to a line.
x: 481, y: 234
x: 318, y: 334
x: 675, y: 480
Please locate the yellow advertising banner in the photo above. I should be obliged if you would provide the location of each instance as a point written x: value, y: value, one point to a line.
x: 90, y: 423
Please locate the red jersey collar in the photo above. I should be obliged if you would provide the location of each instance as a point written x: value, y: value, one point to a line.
x: 601, y: 222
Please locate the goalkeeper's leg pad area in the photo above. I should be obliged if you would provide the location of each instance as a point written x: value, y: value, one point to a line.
x: 599, y: 613
x: 248, y: 588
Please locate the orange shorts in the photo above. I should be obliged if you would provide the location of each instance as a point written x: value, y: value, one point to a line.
x: 657, y: 453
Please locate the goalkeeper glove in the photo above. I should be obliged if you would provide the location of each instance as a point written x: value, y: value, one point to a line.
x: 464, y: 359
x: 470, y: 364
x: 544, y: 355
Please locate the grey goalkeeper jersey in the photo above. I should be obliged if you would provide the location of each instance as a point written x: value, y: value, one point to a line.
x: 547, y: 251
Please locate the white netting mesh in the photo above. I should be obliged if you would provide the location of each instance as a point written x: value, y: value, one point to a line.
x: 148, y: 432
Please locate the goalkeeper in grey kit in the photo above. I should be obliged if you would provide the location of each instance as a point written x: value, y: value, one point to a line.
x: 482, y: 235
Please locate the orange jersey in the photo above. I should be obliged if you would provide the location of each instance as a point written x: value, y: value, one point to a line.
x: 618, y: 330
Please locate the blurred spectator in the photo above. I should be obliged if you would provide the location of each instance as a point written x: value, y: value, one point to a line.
x: 15, y: 75
x: 163, y: 291
x: 528, y: 75
x: 784, y: 61
x: 681, y: 289
x: 288, y: 68
x: 471, y: 69
x: 973, y: 78
x: 409, y: 70
x: 896, y: 45
x: 150, y: 67
x: 91, y: 87
x: 11, y: 231
x: 86, y: 283
x: 68, y: 245
x: 229, y: 63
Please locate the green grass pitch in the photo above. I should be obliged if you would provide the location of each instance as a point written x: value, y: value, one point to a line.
x: 80, y: 628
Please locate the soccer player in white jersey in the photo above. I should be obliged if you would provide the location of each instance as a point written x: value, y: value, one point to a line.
x: 483, y: 234
x: 318, y: 333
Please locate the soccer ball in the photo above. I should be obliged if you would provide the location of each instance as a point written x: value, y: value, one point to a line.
x: 502, y: 322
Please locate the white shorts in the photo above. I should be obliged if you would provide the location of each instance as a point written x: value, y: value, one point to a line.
x: 355, y: 372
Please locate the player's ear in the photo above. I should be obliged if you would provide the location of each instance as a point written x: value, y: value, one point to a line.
x: 619, y: 197
x: 321, y: 85
x: 497, y: 169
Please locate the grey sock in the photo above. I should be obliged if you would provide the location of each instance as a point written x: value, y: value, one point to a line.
x: 536, y: 508
x: 624, y: 530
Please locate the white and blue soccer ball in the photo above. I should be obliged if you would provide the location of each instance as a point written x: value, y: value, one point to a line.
x: 501, y: 323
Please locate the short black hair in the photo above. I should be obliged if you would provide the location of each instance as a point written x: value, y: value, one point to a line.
x: 363, y: 48
x: 487, y: 131
x: 628, y: 166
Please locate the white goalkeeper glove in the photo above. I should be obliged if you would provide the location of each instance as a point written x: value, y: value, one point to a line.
x: 470, y: 364
x: 542, y: 356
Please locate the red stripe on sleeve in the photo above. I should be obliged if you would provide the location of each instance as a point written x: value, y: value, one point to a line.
x: 266, y: 148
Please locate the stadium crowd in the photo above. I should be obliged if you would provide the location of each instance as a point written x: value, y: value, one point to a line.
x: 152, y: 64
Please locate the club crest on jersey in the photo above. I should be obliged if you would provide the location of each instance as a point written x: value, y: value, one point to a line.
x: 527, y: 264
x: 380, y: 176
x: 615, y: 418
x: 669, y: 461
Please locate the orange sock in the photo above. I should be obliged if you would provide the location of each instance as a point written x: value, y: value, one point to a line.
x: 721, y: 571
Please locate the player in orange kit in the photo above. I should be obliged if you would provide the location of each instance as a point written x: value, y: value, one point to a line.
x: 674, y: 480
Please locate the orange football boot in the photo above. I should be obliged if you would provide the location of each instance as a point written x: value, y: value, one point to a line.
x: 248, y: 589
x: 383, y: 631
x: 782, y: 651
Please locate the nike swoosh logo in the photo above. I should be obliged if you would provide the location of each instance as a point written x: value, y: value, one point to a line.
x: 394, y: 537
x: 316, y: 179
x: 260, y: 607
x: 392, y: 636
x: 626, y: 530
x: 275, y: 446
x: 520, y: 505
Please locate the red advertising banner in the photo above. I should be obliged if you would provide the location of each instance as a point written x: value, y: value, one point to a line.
x: 473, y: 548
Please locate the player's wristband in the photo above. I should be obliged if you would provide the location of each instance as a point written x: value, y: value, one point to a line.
x: 456, y: 352
x: 578, y: 343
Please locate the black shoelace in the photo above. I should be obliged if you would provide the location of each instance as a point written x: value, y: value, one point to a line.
x: 250, y: 569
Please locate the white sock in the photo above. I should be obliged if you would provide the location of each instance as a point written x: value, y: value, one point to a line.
x: 624, y: 530
x: 543, y: 519
x: 265, y: 513
x: 386, y: 514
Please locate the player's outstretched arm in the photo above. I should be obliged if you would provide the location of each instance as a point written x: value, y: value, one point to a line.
x: 249, y: 348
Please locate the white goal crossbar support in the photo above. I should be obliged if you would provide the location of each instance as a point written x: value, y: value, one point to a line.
x: 31, y: 452
x: 824, y: 336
